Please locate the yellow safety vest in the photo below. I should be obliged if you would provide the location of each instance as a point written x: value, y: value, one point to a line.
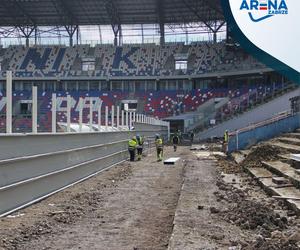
x: 132, y: 144
x: 159, y: 143
x: 226, y: 137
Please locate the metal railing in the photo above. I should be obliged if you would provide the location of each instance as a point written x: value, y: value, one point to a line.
x: 44, y: 164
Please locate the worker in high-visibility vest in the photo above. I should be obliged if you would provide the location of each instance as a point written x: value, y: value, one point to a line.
x: 140, y: 146
x: 132, y: 145
x: 225, y: 141
x: 226, y: 136
x: 175, y: 141
x: 159, y: 147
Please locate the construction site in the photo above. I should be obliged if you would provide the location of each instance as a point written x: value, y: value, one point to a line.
x: 143, y: 125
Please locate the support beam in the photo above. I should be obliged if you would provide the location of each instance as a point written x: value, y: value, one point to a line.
x: 113, y: 13
x: 27, y: 32
x: 161, y: 20
x: 71, y: 29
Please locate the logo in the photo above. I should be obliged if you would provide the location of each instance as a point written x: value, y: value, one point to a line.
x: 260, y: 10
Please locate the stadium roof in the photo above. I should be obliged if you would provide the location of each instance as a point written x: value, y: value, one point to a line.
x: 104, y: 12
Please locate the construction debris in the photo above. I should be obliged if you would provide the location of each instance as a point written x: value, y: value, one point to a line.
x: 262, y: 152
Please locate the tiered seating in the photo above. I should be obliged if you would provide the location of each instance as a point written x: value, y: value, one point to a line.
x: 154, y: 103
x: 128, y: 60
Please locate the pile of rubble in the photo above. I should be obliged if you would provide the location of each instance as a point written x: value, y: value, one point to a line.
x: 263, y: 152
x: 273, y: 230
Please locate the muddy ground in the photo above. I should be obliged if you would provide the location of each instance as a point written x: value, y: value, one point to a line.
x: 146, y: 205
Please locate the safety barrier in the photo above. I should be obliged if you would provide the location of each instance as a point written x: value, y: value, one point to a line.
x: 35, y: 166
x: 249, y: 136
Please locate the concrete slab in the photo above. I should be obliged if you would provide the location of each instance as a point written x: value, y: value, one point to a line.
x: 260, y: 173
x: 289, y: 192
x: 289, y: 147
x: 284, y: 170
x: 198, y: 147
x: 231, y: 179
x: 238, y: 157
x: 295, y: 205
x: 293, y: 135
x: 171, y: 161
x: 289, y: 140
x: 280, y: 180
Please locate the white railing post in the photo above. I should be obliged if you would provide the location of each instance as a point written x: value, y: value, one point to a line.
x: 127, y: 119
x: 130, y: 120
x: 34, y: 109
x: 8, y: 102
x: 112, y: 116
x: 99, y: 117
x: 118, y: 116
x: 80, y: 113
x: 91, y: 115
x: 122, y: 118
x: 134, y: 117
x: 68, y: 113
x: 54, y: 113
x: 106, y: 117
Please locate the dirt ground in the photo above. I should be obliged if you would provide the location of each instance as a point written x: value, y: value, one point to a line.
x: 148, y: 205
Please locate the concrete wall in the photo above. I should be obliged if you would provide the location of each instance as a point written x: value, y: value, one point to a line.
x: 261, y: 113
x: 249, y: 138
x: 34, y: 166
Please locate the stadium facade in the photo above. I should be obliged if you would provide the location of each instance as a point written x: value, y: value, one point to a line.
x: 160, y: 80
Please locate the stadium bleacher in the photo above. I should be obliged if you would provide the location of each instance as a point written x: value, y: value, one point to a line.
x: 128, y: 60
x: 159, y: 104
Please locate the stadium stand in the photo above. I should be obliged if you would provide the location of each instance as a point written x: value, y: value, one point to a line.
x: 160, y: 104
x: 128, y: 60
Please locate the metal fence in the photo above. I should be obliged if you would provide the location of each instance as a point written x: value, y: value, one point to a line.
x: 35, y: 166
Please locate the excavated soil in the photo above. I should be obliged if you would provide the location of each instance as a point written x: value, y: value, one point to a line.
x: 147, y: 205
x: 262, y: 152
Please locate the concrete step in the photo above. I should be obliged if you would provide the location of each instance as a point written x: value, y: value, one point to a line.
x: 259, y: 173
x: 286, y: 158
x: 284, y: 170
x: 291, y: 148
x: 265, y: 179
x: 280, y: 180
x: 289, y: 192
x: 293, y: 135
x: 289, y: 140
